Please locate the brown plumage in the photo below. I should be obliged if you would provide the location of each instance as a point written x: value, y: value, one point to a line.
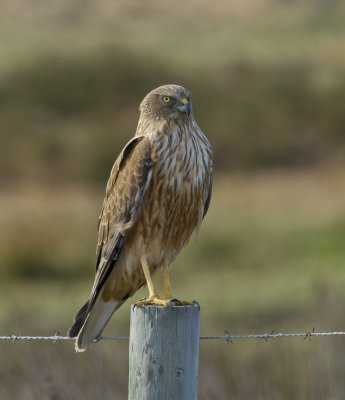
x: 158, y: 192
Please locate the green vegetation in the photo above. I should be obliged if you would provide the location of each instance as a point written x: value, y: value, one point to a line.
x: 269, y: 256
x: 268, y: 87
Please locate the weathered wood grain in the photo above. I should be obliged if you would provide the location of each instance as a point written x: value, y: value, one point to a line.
x: 163, y: 353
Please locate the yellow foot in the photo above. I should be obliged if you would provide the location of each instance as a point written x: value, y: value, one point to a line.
x: 152, y: 301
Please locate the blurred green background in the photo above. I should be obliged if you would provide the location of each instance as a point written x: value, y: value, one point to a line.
x: 268, y: 84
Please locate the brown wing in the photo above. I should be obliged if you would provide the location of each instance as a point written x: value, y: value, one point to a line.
x: 128, y: 182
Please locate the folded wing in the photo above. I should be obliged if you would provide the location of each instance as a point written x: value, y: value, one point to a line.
x: 129, y: 180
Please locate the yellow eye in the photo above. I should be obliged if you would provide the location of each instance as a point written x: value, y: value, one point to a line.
x: 166, y: 99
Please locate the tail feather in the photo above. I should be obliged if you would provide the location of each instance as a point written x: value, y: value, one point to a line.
x: 79, y: 320
x: 89, y: 324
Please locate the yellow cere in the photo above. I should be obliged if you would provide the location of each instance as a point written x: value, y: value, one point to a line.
x: 184, y: 101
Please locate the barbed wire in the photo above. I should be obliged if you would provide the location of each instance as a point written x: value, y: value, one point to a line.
x: 305, y: 335
x: 227, y: 336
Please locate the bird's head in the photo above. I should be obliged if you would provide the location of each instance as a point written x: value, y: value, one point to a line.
x: 167, y: 102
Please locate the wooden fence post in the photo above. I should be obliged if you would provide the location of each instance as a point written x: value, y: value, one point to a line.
x: 164, y: 353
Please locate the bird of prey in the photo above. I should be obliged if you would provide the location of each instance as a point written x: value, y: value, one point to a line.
x: 158, y: 192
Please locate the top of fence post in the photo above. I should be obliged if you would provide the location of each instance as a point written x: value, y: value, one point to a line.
x: 163, y: 353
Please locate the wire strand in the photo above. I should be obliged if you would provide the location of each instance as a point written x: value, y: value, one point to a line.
x: 227, y: 336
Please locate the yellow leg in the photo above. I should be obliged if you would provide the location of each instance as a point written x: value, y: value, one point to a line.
x: 167, y: 287
x: 153, y: 298
x: 167, y: 290
x: 147, y: 276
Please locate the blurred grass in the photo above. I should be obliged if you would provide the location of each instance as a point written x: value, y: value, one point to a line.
x: 269, y: 255
x: 258, y: 116
x: 268, y: 86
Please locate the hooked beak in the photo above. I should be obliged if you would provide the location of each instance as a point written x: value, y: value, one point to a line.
x: 185, y: 106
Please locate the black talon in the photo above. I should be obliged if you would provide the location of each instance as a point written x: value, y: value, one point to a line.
x: 169, y: 304
x: 174, y: 300
x: 135, y: 304
x: 195, y: 303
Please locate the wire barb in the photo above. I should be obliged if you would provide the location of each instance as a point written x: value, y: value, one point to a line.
x: 228, y: 338
x: 309, y: 334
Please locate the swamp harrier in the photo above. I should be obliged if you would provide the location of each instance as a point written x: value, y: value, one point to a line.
x: 158, y: 192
